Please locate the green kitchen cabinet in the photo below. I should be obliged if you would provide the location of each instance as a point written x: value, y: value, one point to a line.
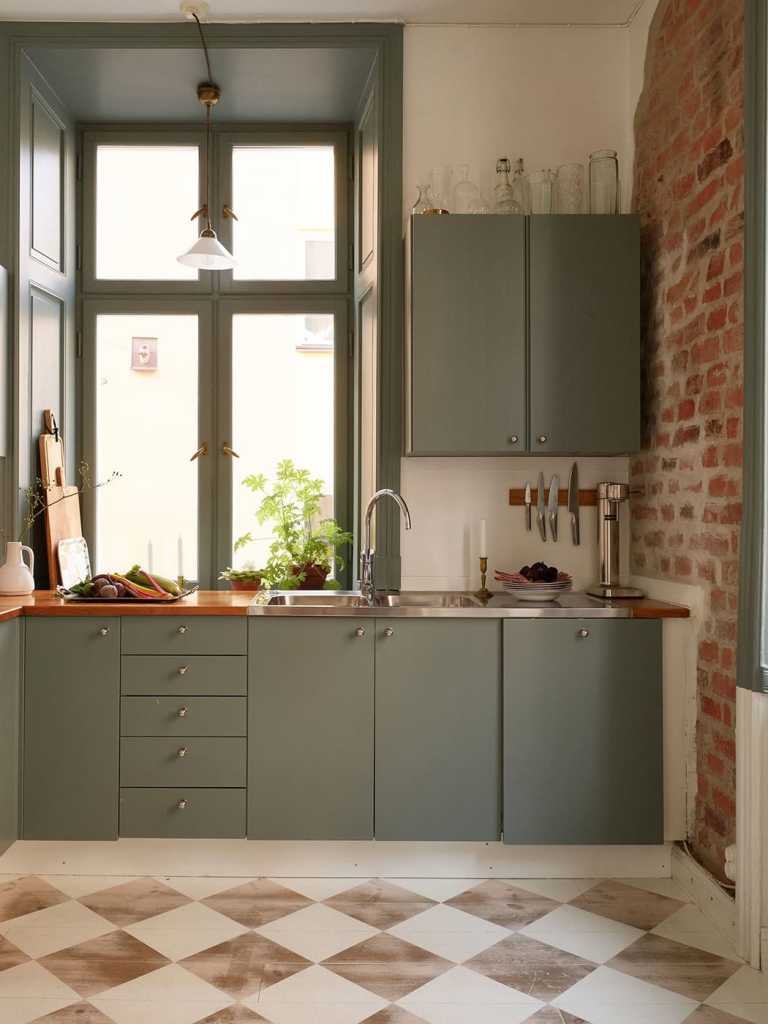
x: 585, y: 334
x: 10, y: 696
x: 71, y: 728
x: 582, y: 731
x: 466, y: 372
x: 438, y: 702
x: 310, y: 728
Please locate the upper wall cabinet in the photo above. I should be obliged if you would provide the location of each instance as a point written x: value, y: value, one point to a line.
x: 524, y: 335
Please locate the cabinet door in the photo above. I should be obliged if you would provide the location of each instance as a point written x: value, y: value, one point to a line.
x: 9, y: 731
x: 467, y: 372
x: 582, y: 731
x: 310, y: 729
x: 71, y: 728
x: 585, y: 334
x: 438, y: 691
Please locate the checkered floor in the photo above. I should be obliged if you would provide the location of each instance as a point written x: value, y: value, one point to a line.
x: 94, y: 950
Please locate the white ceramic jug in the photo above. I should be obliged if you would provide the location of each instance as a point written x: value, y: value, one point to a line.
x: 15, y: 577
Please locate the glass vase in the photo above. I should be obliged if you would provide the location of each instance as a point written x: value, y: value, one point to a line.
x: 541, y: 183
x: 504, y: 194
x: 467, y: 197
x: 569, y: 189
x: 604, y: 181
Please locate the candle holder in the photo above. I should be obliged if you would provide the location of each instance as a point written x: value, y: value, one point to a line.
x: 483, y: 592
x: 181, y: 581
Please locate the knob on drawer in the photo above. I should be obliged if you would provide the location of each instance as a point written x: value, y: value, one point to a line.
x: 388, y: 632
x: 183, y: 669
x: 360, y: 632
x: 182, y: 630
x: 104, y: 631
x: 182, y: 712
x: 182, y: 804
x: 181, y: 752
x: 583, y: 634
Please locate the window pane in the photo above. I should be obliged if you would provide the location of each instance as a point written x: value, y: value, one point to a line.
x: 146, y: 429
x: 284, y: 198
x: 282, y: 408
x: 145, y: 196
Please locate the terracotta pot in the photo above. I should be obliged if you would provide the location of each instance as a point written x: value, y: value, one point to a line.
x: 314, y: 576
x: 252, y: 585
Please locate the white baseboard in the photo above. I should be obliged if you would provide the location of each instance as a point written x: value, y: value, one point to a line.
x: 243, y: 858
x: 708, y: 896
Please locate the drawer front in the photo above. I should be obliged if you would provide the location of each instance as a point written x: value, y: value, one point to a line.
x: 183, y: 813
x: 184, y: 716
x: 177, y: 675
x: 175, y: 634
x: 205, y: 762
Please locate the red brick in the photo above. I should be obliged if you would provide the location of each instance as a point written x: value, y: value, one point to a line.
x: 705, y: 351
x: 717, y: 318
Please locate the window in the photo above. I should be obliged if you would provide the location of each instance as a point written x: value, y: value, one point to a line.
x: 184, y: 412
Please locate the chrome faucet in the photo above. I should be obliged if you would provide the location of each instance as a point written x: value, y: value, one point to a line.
x: 367, y: 553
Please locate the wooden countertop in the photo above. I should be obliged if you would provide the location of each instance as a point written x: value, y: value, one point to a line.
x: 224, y: 602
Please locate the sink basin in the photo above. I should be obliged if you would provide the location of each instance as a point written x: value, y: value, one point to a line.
x: 427, y: 600
x: 318, y: 599
x: 355, y: 599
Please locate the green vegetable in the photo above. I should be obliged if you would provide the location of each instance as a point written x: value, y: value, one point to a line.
x: 136, y: 575
x: 85, y: 589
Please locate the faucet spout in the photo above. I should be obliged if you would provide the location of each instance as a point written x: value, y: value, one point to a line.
x: 367, y: 552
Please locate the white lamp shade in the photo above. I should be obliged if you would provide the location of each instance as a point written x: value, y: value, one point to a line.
x: 208, y: 254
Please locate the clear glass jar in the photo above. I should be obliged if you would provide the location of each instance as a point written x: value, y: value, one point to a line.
x: 569, y: 188
x: 541, y: 183
x: 503, y: 194
x: 425, y: 202
x: 520, y: 189
x: 467, y: 197
x: 441, y: 181
x: 604, y: 181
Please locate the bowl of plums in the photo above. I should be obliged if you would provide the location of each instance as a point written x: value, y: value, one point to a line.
x: 537, y: 582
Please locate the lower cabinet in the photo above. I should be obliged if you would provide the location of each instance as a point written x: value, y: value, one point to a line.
x: 310, y: 728
x: 183, y: 813
x: 10, y: 689
x: 582, y: 731
x: 438, y: 696
x: 71, y: 728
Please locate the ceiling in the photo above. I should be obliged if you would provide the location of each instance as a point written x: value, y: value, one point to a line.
x: 319, y: 84
x: 534, y: 12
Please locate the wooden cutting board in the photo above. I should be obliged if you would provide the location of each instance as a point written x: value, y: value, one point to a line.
x: 51, y: 461
x: 62, y: 521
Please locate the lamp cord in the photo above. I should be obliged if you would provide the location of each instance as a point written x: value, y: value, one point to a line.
x: 208, y: 129
x: 204, y: 46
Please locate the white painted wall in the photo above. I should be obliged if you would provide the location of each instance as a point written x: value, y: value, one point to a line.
x: 472, y: 94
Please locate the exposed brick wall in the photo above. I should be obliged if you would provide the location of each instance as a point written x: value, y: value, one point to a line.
x: 688, y: 190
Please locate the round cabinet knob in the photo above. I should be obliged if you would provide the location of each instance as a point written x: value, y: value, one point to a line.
x: 513, y: 438
x: 542, y: 438
x: 182, y: 804
x: 388, y: 632
x: 104, y: 631
x: 583, y: 634
x: 182, y: 630
x: 181, y: 752
x: 183, y: 669
x: 182, y: 712
x: 360, y: 632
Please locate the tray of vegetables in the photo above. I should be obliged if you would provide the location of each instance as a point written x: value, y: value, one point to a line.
x: 135, y: 585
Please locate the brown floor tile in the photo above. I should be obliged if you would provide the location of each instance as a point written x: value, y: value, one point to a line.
x: 683, y: 969
x: 100, y: 964
x: 379, y: 904
x: 393, y: 1015
x: 387, y: 966
x: 257, y: 903
x: 709, y: 1015
x: 539, y: 970
x: 627, y: 904
x: 10, y: 956
x: 26, y: 895
x: 236, y: 1014
x: 503, y: 903
x: 134, y: 901
x: 80, y: 1013
x: 242, y: 966
x: 551, y: 1015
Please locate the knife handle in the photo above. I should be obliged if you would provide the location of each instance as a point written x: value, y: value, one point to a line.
x: 575, y: 533
x: 553, y: 524
x: 528, y: 519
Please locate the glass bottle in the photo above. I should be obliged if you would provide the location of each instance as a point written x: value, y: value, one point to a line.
x: 504, y: 199
x: 425, y: 202
x: 541, y: 191
x: 467, y: 197
x: 569, y: 189
x: 520, y: 190
x: 604, y: 181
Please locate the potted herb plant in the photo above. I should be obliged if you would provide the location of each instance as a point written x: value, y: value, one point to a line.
x: 247, y: 578
x: 305, y: 547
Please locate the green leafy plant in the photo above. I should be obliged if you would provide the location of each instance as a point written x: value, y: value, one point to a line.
x: 303, y: 543
x: 246, y: 573
x: 36, y: 496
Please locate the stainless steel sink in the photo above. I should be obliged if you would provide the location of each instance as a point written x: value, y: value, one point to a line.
x: 427, y: 599
x: 355, y: 599
x: 317, y: 599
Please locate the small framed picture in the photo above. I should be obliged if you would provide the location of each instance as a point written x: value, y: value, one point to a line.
x: 144, y: 354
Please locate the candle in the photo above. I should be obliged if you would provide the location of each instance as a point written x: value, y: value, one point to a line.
x: 180, y: 549
x: 483, y: 539
x: 150, y: 559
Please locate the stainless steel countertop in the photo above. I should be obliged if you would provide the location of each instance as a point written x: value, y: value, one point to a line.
x: 434, y: 604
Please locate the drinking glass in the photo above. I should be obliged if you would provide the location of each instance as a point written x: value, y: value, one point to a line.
x: 604, y: 181
x: 467, y: 197
x: 569, y: 188
x: 540, y: 184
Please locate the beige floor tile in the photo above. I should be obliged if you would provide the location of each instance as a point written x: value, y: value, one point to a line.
x: 503, y: 903
x: 244, y: 965
x: 317, y: 932
x: 450, y: 933
x: 627, y: 904
x: 104, y: 963
x: 387, y: 966
x: 26, y: 895
x: 258, y: 902
x: 57, y: 927
x: 380, y: 904
x: 135, y: 901
x: 532, y: 967
x: 684, y: 969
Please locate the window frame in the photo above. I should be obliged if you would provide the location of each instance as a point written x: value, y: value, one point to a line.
x: 215, y: 297
x: 339, y: 139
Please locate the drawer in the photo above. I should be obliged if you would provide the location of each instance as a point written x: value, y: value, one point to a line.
x: 205, y: 761
x: 176, y: 675
x: 183, y: 813
x: 175, y: 634
x: 183, y: 716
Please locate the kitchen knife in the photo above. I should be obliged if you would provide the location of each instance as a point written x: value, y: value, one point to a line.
x: 554, y: 500
x: 541, y: 506
x: 573, y: 504
x: 528, y: 502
